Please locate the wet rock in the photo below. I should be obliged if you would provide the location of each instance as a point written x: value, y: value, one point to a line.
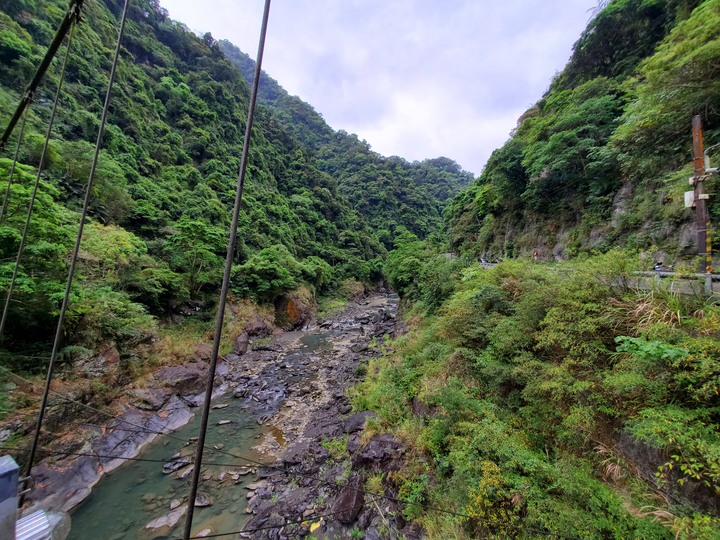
x: 224, y: 422
x: 220, y: 406
x: 175, y: 503
x: 241, y: 343
x: 202, y: 500
x: 359, y: 347
x: 184, y: 473
x: 168, y: 520
x: 203, y: 534
x: 175, y: 464
x: 356, y: 422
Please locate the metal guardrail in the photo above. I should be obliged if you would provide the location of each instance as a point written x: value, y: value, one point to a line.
x: 679, y: 275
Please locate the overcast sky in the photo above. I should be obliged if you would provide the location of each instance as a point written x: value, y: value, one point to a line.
x: 414, y: 78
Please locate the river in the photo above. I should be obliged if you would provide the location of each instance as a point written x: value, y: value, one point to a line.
x: 127, y: 499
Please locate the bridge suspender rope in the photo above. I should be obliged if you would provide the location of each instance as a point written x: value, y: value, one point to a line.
x: 73, y: 260
x: 71, y: 15
x: 6, y: 197
x: 226, y: 276
x: 31, y: 204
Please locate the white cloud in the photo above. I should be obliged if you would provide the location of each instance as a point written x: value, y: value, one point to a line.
x: 415, y: 78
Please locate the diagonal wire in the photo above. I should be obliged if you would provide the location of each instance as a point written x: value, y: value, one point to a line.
x: 31, y: 205
x: 232, y: 240
x: 73, y: 260
x: 267, y: 527
x: 14, y: 164
x: 247, y: 460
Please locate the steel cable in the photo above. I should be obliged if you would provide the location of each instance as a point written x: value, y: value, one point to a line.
x: 73, y: 260
x: 241, y: 458
x: 6, y: 197
x: 232, y: 240
x: 31, y: 204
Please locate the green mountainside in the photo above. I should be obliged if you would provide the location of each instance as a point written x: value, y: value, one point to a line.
x: 573, y: 399
x: 318, y: 205
x: 533, y: 400
x: 604, y: 157
x: 391, y: 193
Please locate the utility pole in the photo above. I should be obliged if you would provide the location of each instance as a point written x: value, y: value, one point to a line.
x: 702, y: 220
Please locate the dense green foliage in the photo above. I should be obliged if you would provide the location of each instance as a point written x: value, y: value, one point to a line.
x: 558, y: 399
x: 602, y: 159
x: 165, y: 183
x: 392, y: 194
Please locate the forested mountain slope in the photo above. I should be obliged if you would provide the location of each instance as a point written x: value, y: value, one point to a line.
x: 604, y: 157
x: 391, y: 193
x: 166, y: 180
x: 569, y: 400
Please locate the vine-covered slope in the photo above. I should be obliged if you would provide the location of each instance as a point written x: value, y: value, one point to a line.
x: 604, y: 157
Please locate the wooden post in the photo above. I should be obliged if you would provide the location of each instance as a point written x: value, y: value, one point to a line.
x: 701, y: 215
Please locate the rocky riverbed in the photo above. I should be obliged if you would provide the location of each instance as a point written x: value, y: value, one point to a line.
x: 294, y: 387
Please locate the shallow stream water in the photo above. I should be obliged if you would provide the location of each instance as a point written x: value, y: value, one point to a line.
x: 128, y: 498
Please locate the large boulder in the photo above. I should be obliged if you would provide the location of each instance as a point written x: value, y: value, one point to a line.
x: 149, y: 399
x: 241, y: 343
x: 189, y: 378
x: 168, y: 520
x: 356, y: 422
x: 382, y: 452
x: 294, y: 310
x: 257, y: 327
x: 350, y: 500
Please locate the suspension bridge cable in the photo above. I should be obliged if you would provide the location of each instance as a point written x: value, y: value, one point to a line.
x: 71, y: 15
x: 267, y: 527
x: 140, y: 427
x: 31, y: 204
x: 6, y: 197
x: 226, y: 275
x: 73, y: 260
x: 244, y: 459
x: 110, y: 456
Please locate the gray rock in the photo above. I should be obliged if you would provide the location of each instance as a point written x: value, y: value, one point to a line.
x: 175, y: 464
x: 203, y: 499
x: 150, y: 400
x: 379, y: 452
x: 344, y: 408
x: 241, y: 343
x: 356, y: 422
x: 350, y: 500
x: 168, y: 520
x: 185, y: 379
x: 353, y: 443
x: 257, y: 328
